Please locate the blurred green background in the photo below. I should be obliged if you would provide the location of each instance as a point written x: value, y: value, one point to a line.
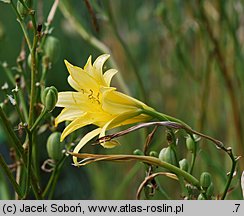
x: 189, y: 57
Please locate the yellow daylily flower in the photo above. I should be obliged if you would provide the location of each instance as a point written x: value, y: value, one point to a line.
x: 95, y: 102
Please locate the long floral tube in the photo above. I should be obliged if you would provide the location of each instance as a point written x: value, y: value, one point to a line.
x: 90, y: 158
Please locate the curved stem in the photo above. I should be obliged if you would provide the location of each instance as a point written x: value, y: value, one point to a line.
x: 90, y: 158
x: 234, y: 161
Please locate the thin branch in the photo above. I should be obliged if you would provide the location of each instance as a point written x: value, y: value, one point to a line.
x: 149, y: 178
x: 170, y: 124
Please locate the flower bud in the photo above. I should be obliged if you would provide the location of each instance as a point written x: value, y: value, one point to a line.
x: 190, y: 144
x: 153, y: 154
x: 201, y: 197
x: 29, y: 60
x: 184, y: 164
x: 110, y: 144
x: 210, y: 190
x: 22, y: 10
x: 205, y: 180
x: 49, y: 98
x: 52, y: 49
x: 168, y: 155
x: 54, y: 146
x: 137, y: 152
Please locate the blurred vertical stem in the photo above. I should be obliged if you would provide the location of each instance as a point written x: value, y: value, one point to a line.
x: 20, y: 93
x: 227, y: 78
x: 14, y: 139
x: 10, y: 176
x: 20, y: 151
x: 22, y: 24
x: 127, y: 51
x: 36, y: 32
x: 205, y: 94
x: 69, y: 14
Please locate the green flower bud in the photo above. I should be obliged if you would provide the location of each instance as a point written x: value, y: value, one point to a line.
x: 210, y: 190
x: 137, y: 152
x: 200, y: 197
x: 190, y: 144
x: 22, y: 10
x: 55, y: 147
x: 52, y: 49
x: 168, y: 155
x: 184, y: 164
x: 29, y: 60
x: 205, y: 180
x: 49, y: 98
x: 153, y: 154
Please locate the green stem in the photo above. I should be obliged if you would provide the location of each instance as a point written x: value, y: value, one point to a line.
x: 163, y: 117
x: 188, y: 177
x: 53, y: 179
x: 234, y: 162
x: 19, y: 148
x: 22, y: 24
x: 8, y: 73
x: 9, y: 129
x: 29, y: 157
x: 17, y: 107
x: 36, y: 123
x: 33, y: 80
x: 162, y: 191
x: 194, y: 154
x: 20, y: 93
x: 89, y: 158
x: 10, y: 176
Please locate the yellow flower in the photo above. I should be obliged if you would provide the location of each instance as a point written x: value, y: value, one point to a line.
x: 95, y: 102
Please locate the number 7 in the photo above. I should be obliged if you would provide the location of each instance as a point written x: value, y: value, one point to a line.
x: 237, y: 206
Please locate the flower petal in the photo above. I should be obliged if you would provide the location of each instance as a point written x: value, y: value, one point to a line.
x: 116, y: 121
x: 97, y: 70
x: 68, y: 114
x: 116, y: 102
x: 83, y: 141
x: 88, y: 66
x: 78, y: 100
x: 67, y: 99
x: 74, y: 84
x: 76, y: 124
x: 83, y: 79
x: 99, y: 62
x: 108, y: 75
